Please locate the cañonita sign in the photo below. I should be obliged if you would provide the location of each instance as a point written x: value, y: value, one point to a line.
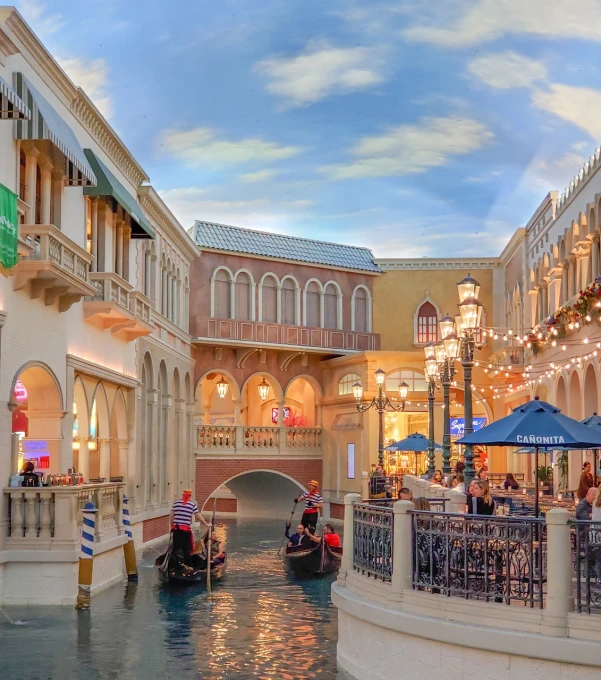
x: 537, y: 439
x: 8, y: 228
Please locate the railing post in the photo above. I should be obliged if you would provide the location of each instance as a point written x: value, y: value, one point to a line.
x: 347, y: 552
x: 402, y: 553
x: 457, y: 501
x: 365, y: 485
x: 559, y: 564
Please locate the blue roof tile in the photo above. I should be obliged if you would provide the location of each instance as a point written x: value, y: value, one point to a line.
x: 239, y: 240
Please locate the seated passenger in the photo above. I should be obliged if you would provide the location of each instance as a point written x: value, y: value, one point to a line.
x: 329, y: 536
x: 217, y: 549
x: 300, y: 538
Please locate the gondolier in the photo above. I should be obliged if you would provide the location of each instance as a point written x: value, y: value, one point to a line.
x: 182, y: 513
x: 313, y: 504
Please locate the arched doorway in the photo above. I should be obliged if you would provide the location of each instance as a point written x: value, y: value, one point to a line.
x: 36, y: 402
x: 261, y: 493
x: 261, y: 397
x: 81, y: 429
x: 575, y: 397
x: 217, y: 399
x: 99, y: 436
x: 591, y: 397
x: 562, y: 397
x: 302, y: 402
x: 147, y: 439
x: 119, y: 440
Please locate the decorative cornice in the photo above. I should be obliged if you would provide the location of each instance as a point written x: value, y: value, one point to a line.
x: 102, y: 372
x: 160, y: 213
x: 580, y: 180
x: 442, y: 263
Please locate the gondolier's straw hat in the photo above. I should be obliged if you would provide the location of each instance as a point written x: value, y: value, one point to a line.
x: 314, y: 483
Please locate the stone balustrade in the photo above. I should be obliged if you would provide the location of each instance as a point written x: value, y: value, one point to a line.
x: 245, y: 440
x: 51, y: 517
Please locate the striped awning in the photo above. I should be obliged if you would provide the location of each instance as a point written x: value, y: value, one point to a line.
x: 46, y: 124
x: 12, y: 107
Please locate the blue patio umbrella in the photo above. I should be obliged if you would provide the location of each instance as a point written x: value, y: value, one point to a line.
x: 538, y: 424
x: 594, y: 421
x: 415, y: 443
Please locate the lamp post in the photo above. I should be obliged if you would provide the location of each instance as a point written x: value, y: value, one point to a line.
x: 446, y: 371
x: 431, y: 373
x: 381, y: 403
x: 470, y: 312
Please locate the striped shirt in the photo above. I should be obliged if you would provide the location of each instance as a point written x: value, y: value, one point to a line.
x: 310, y: 498
x: 184, y: 512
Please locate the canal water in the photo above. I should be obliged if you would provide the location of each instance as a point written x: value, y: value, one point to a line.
x: 260, y: 622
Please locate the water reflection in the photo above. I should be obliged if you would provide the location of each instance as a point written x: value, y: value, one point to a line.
x: 259, y: 623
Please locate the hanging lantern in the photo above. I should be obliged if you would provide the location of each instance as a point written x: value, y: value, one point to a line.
x: 263, y: 388
x: 222, y: 387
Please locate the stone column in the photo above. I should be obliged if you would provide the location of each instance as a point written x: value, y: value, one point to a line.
x: 45, y: 192
x: 126, y: 251
x: 94, y: 205
x: 402, y: 568
x: 564, y: 283
x: 84, y: 457
x: 180, y: 447
x: 165, y: 453
x: 456, y: 501
x: 31, y: 165
x: 123, y: 459
x: 595, y: 258
x: 58, y: 179
x: 154, y: 448
x: 347, y: 555
x: 104, y: 453
x: 559, y: 568
x: 365, y: 485
x: 119, y: 248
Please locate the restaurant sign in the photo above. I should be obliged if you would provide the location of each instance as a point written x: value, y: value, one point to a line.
x: 8, y: 228
x: 458, y: 426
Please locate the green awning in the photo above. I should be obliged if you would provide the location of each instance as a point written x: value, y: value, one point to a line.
x: 12, y: 107
x: 108, y: 185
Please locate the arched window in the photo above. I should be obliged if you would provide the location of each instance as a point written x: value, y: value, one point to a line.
x: 415, y: 380
x: 288, y: 302
x: 243, y: 297
x: 269, y: 300
x: 313, y: 306
x: 331, y: 306
x: 222, y: 295
x: 427, y: 324
x: 361, y: 311
x: 345, y: 386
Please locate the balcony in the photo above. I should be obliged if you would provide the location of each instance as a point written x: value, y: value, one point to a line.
x: 109, y: 307
x: 242, y: 441
x: 508, y: 356
x: 241, y: 333
x: 57, y: 269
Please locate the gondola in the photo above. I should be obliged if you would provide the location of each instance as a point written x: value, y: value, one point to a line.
x: 177, y: 566
x: 316, y: 560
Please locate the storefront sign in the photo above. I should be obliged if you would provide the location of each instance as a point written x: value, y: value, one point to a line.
x: 8, y: 228
x: 34, y: 447
x: 458, y: 425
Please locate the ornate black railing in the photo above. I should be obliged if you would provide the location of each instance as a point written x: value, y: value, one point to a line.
x: 381, y: 487
x: 587, y: 565
x: 372, y: 540
x: 472, y: 556
x: 438, y: 504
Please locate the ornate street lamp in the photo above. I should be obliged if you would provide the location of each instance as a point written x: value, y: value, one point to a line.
x: 431, y: 373
x: 471, y: 313
x: 263, y: 388
x: 382, y: 404
x: 446, y: 353
x: 222, y: 387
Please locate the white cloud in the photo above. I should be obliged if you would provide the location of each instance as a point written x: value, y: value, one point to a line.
x: 408, y: 149
x: 193, y: 203
x: 202, y: 145
x: 259, y: 176
x: 577, y: 105
x: 484, y: 177
x: 487, y: 20
x: 507, y: 69
x: 92, y: 77
x: 321, y: 71
x: 35, y: 13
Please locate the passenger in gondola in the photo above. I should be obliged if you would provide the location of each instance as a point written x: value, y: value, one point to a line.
x: 329, y: 536
x: 217, y: 549
x: 300, y: 538
x: 183, y: 511
x: 313, y: 503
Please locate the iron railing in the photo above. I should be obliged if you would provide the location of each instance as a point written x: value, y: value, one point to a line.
x: 380, y: 487
x: 476, y: 557
x: 587, y: 565
x: 437, y: 504
x: 372, y: 540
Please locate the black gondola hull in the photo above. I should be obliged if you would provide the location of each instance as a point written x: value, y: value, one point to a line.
x: 178, y: 568
x: 313, y: 561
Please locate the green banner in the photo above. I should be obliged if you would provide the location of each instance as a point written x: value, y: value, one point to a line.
x: 8, y: 228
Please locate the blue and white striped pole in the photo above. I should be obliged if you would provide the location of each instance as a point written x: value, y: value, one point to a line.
x: 129, y: 549
x: 86, y: 558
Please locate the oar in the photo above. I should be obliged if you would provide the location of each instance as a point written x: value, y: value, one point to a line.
x: 289, y: 522
x: 209, y: 545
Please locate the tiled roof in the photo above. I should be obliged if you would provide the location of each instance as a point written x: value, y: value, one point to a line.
x: 238, y: 240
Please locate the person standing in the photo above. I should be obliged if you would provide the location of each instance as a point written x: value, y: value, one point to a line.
x: 586, y: 481
x: 313, y: 504
x: 180, y: 519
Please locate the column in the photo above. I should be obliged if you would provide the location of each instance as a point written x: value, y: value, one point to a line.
x: 207, y: 414
x: 126, y: 238
x: 45, y: 192
x: 95, y: 234
x: 282, y: 427
x: 119, y: 247
x: 564, y: 283
x: 571, y: 278
x: 595, y: 258
x: 104, y: 453
x: 347, y: 554
x: 153, y: 467
x: 31, y: 166
x: 166, y: 404
x: 123, y: 462
x: 58, y: 179
x: 180, y: 418
x: 84, y: 458
x: 559, y: 600
x: 402, y: 568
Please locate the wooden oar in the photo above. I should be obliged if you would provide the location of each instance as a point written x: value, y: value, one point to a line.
x: 209, y: 546
x: 289, y: 522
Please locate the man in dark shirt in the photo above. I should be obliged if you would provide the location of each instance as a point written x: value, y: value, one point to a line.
x: 299, y: 538
x: 584, y: 509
